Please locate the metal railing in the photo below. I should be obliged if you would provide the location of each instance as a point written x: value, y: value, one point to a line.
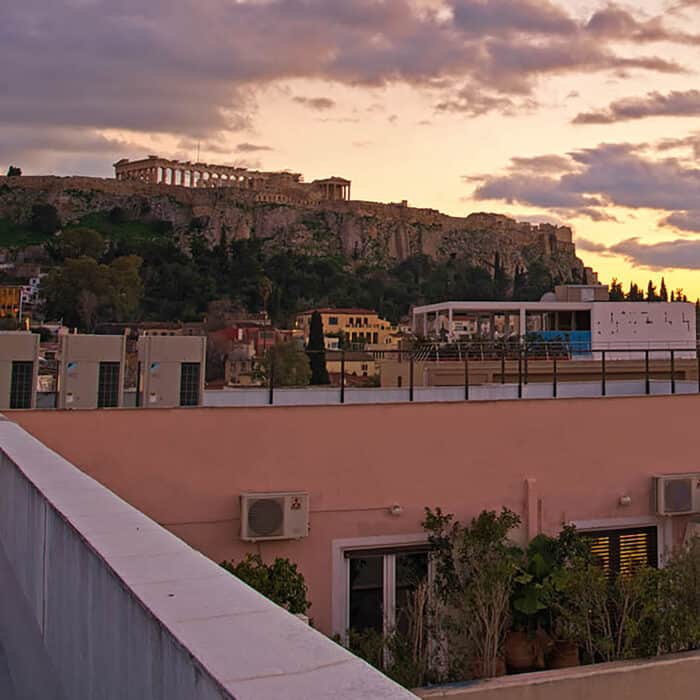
x: 514, y: 359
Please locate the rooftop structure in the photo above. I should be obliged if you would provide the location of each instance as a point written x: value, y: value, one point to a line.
x: 590, y: 322
x: 195, y: 632
x: 99, y: 601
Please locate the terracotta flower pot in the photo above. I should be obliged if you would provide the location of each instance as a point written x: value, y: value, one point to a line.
x: 564, y: 655
x: 478, y: 671
x: 521, y: 652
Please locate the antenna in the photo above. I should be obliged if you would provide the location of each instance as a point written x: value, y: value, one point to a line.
x: 198, y: 144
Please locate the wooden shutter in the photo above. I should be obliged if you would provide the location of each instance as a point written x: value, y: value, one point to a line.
x: 622, y: 551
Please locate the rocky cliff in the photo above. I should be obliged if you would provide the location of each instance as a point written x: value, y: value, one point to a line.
x: 367, y: 231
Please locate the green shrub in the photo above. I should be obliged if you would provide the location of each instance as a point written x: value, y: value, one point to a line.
x: 280, y: 581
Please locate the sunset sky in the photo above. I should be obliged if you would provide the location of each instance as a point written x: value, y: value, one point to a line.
x: 579, y: 112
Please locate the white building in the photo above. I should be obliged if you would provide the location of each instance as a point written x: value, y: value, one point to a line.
x: 588, y: 324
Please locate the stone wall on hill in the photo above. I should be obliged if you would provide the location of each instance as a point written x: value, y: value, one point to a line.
x: 368, y: 231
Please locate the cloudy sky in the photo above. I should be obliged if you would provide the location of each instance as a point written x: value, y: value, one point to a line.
x: 576, y: 111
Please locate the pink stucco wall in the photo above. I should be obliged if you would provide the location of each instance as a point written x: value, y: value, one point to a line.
x: 551, y: 461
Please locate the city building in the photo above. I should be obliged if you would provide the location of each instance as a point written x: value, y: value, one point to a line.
x: 19, y: 367
x: 364, y: 509
x: 100, y: 601
x: 580, y: 316
x: 10, y: 300
x: 351, y: 363
x: 171, y: 370
x: 353, y: 325
x: 91, y: 371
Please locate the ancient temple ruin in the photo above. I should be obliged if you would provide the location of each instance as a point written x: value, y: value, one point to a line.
x: 280, y: 186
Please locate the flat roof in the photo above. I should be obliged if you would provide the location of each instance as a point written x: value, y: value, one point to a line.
x: 505, y: 306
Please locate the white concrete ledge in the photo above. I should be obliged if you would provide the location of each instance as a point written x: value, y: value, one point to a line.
x: 126, y: 609
x: 675, y: 676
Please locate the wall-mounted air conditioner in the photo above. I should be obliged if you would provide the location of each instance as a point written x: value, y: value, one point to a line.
x: 274, y: 516
x: 677, y: 494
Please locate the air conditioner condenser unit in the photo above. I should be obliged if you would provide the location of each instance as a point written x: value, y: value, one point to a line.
x: 274, y: 516
x: 677, y: 494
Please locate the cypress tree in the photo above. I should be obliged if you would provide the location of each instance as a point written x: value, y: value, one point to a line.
x: 316, y: 351
x: 651, y: 292
x: 663, y: 293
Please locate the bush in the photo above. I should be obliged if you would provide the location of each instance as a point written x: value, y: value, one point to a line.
x: 280, y: 581
x: 476, y: 567
x: 45, y: 219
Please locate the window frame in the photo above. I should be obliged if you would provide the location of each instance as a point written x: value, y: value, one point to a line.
x: 19, y: 386
x: 340, y: 584
x: 189, y: 365
x: 103, y: 389
x: 664, y: 530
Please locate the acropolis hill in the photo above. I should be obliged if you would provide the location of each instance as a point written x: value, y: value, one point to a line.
x: 316, y: 218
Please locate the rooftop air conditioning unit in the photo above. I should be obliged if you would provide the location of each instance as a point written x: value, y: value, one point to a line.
x: 274, y: 516
x: 677, y: 494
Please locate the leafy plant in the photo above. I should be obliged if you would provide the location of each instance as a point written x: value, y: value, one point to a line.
x: 476, y: 567
x: 280, y: 581
x: 544, y: 557
x: 412, y: 656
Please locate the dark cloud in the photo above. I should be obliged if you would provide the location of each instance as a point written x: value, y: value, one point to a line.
x: 589, y: 181
x: 251, y: 148
x: 691, y: 142
x: 615, y: 22
x: 676, y: 254
x: 680, y: 253
x: 684, y: 221
x: 591, y: 246
x: 653, y: 104
x: 319, y: 104
x: 145, y: 66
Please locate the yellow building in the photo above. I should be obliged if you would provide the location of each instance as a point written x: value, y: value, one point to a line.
x: 357, y: 364
x: 10, y: 297
x: 356, y: 326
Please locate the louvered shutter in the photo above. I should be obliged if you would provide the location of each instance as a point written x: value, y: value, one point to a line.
x: 622, y: 551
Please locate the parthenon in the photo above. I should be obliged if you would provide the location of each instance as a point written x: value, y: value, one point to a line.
x: 157, y: 170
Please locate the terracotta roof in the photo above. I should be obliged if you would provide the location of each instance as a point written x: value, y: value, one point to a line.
x: 338, y: 311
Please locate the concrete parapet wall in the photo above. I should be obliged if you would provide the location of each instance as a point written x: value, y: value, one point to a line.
x: 670, y: 677
x: 98, y: 601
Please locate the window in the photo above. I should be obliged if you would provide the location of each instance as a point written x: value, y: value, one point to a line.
x: 380, y: 583
x: 375, y: 338
x: 21, y: 384
x: 621, y: 551
x: 189, y: 384
x: 108, y: 385
x: 332, y: 320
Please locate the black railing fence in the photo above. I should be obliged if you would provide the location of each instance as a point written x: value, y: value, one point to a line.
x: 513, y: 361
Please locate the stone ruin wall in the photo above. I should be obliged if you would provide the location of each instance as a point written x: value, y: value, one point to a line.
x: 372, y: 231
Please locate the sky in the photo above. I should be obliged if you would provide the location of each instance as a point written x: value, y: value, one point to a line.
x: 577, y: 112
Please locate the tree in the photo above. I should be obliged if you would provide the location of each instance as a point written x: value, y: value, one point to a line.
x: 501, y: 282
x: 14, y: 171
x: 616, y: 293
x: 45, y: 219
x: 651, y: 292
x: 78, y: 242
x: 88, y: 303
x: 316, y: 350
x: 519, y: 284
x: 663, y: 293
x: 125, y: 287
x: 83, y: 292
x: 287, y: 365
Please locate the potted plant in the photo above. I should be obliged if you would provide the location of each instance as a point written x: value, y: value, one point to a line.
x: 475, y: 567
x: 533, y: 640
